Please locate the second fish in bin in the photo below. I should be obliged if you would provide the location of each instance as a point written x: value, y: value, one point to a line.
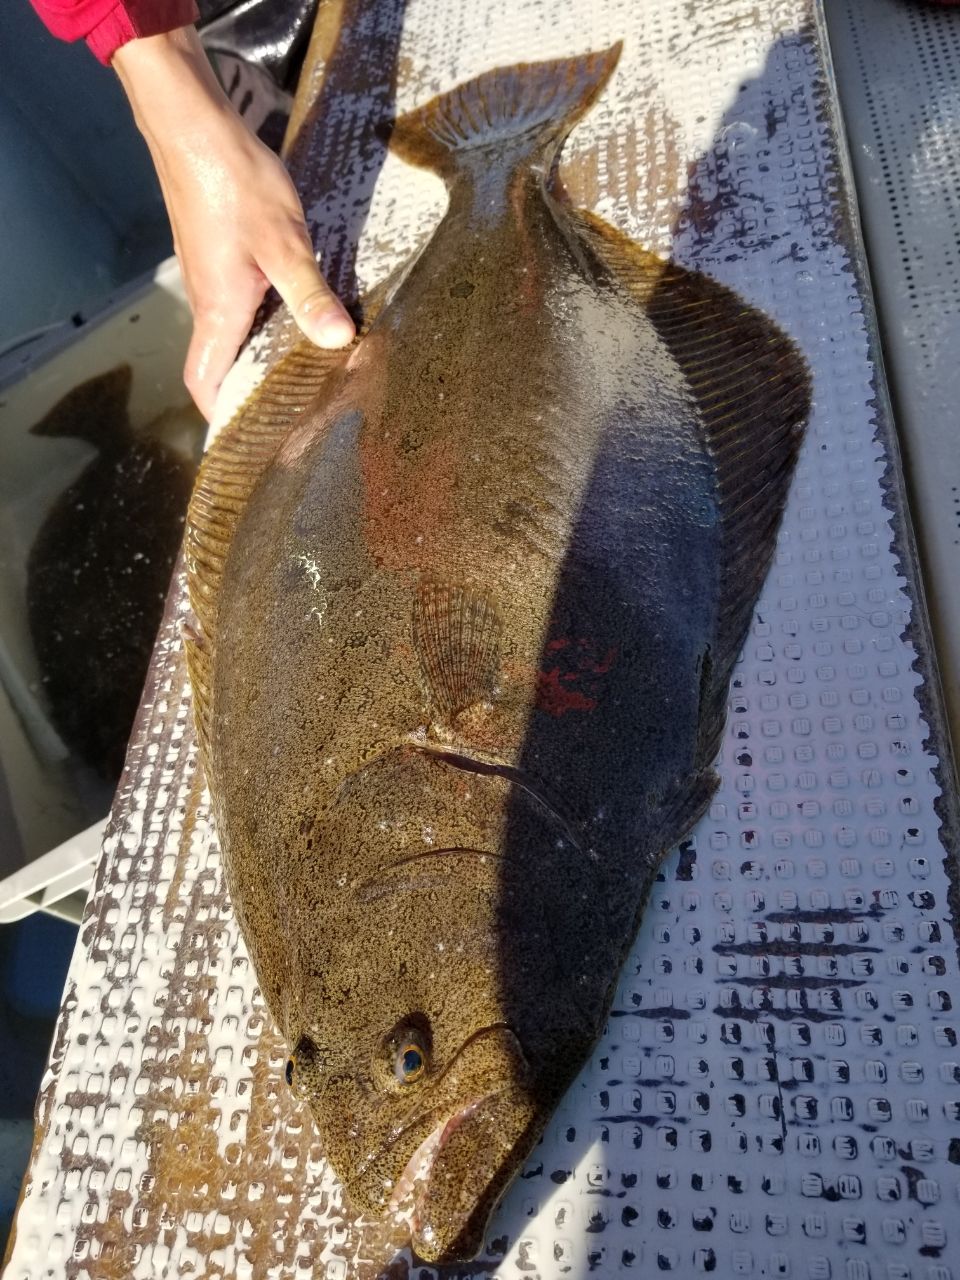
x: 100, y: 565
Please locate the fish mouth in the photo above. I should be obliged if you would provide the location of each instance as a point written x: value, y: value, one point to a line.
x: 456, y: 1174
x: 465, y: 1166
x: 454, y: 1186
x: 420, y: 1165
x: 495, y: 1036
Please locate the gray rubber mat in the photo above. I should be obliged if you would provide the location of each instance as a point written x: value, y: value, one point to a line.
x: 778, y: 1089
x: 898, y: 71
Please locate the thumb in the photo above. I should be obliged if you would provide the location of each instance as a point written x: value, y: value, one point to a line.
x: 292, y: 270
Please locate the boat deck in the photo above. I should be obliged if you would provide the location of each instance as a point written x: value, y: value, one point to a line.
x: 778, y: 1089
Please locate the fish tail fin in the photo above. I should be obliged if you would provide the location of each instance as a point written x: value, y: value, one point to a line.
x: 95, y: 410
x: 535, y: 101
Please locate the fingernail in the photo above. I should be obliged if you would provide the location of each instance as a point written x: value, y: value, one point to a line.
x: 331, y: 328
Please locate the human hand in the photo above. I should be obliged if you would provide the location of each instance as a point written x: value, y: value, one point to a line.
x: 236, y: 217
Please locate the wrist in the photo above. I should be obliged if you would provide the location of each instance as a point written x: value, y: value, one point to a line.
x: 171, y: 87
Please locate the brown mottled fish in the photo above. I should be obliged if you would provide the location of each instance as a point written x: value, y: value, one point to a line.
x: 468, y: 598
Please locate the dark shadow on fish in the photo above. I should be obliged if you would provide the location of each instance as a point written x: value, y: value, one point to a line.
x: 100, y: 565
x: 617, y: 640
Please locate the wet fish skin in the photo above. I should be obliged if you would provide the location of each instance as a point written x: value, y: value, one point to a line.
x: 461, y: 672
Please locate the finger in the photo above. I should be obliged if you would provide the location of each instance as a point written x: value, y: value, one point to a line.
x: 217, y: 335
x: 292, y: 270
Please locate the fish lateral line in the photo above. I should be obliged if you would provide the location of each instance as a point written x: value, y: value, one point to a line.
x: 521, y: 779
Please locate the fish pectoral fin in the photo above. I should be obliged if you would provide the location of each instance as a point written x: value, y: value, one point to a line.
x: 456, y: 635
x: 752, y: 388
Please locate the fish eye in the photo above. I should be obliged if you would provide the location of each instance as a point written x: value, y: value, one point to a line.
x: 410, y: 1063
x: 304, y: 1067
x: 406, y: 1051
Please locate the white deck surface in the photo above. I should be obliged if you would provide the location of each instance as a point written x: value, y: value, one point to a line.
x: 778, y: 1090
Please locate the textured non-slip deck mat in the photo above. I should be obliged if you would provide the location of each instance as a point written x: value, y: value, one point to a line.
x: 778, y: 1089
x: 898, y: 73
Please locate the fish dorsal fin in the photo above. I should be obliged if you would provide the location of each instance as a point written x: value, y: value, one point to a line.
x: 235, y: 461
x: 536, y: 101
x: 456, y: 635
x: 752, y: 387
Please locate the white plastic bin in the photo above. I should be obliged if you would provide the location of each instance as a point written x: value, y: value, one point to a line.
x: 51, y: 808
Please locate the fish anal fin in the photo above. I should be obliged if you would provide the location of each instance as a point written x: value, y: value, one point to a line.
x: 752, y: 388
x: 199, y: 669
x: 235, y: 462
x: 456, y: 635
x: 231, y: 470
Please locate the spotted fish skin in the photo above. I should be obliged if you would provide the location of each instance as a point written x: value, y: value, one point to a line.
x: 468, y: 599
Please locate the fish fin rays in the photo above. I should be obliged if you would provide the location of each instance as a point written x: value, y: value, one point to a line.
x: 540, y: 100
x: 228, y: 475
x: 235, y: 462
x: 197, y: 656
x: 684, y: 805
x: 456, y: 635
x: 752, y: 387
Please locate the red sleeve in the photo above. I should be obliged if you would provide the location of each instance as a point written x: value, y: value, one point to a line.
x: 107, y: 24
